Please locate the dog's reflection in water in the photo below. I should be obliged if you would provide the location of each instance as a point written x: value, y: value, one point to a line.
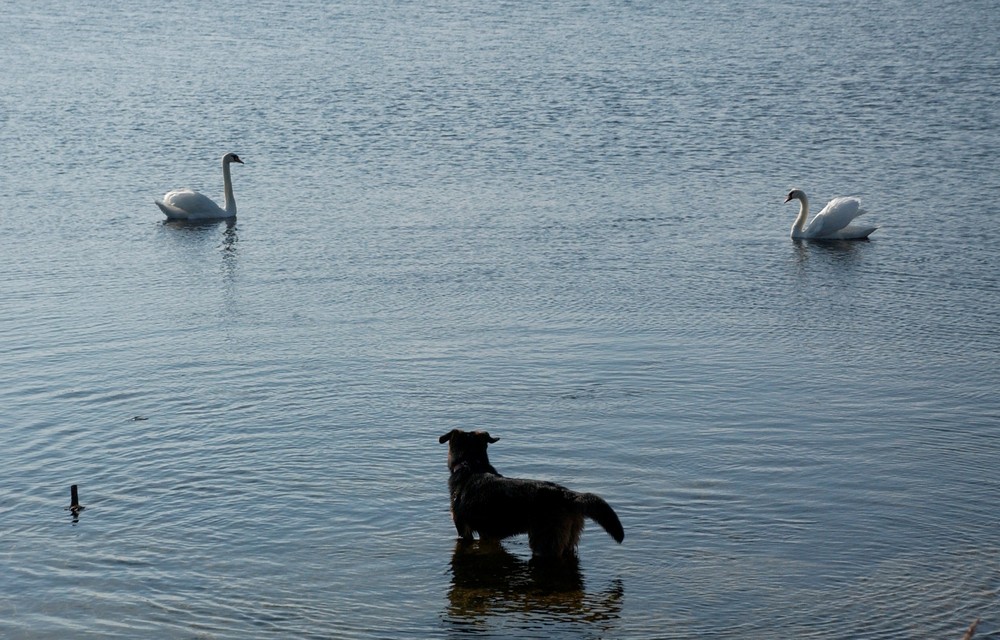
x: 487, y: 580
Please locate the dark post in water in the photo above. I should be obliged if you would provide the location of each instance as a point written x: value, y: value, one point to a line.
x: 74, y: 501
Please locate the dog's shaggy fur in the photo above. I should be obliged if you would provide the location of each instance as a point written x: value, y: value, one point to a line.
x: 495, y: 507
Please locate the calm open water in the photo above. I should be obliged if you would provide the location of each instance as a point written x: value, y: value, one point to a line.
x: 561, y: 222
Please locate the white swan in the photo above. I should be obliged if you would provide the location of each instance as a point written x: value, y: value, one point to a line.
x: 832, y: 223
x: 188, y: 204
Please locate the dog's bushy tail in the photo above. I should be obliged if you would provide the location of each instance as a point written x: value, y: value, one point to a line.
x: 595, y: 508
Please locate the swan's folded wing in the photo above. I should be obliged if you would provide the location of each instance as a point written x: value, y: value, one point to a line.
x: 171, y: 211
x: 189, y: 200
x: 853, y: 233
x: 835, y: 216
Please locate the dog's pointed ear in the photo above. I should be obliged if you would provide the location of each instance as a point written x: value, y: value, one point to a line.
x: 489, y: 438
x: 446, y: 437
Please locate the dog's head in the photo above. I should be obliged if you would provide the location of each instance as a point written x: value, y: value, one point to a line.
x: 468, y: 447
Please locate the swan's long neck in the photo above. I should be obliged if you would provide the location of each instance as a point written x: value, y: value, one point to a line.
x: 229, y: 203
x: 800, y: 220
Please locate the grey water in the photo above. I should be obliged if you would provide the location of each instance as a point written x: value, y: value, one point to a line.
x: 561, y: 222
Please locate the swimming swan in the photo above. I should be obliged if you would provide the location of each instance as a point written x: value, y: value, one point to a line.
x: 188, y: 204
x: 832, y: 223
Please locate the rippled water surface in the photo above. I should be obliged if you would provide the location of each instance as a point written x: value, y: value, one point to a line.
x: 560, y: 222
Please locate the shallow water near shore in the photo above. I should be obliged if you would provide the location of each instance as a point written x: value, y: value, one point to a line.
x: 560, y: 223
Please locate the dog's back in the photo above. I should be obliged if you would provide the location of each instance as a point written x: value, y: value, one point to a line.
x: 495, y: 507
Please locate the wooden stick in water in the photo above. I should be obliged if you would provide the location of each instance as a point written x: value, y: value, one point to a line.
x: 972, y: 630
x: 74, y: 501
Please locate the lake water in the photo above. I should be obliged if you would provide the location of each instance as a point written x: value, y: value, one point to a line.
x: 559, y: 222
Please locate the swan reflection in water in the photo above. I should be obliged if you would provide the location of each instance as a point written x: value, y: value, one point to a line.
x: 197, y: 231
x: 836, y: 252
x: 202, y: 236
x: 488, y: 581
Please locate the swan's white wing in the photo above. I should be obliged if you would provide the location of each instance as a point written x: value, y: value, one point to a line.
x: 836, y: 215
x: 852, y: 233
x: 189, y: 200
x: 172, y: 212
x: 188, y: 203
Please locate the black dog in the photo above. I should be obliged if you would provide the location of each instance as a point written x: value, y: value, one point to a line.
x: 495, y: 507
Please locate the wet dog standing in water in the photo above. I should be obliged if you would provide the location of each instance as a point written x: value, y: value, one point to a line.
x: 495, y: 507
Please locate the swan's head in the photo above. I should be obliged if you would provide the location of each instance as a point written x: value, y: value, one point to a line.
x: 795, y: 194
x: 231, y: 157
